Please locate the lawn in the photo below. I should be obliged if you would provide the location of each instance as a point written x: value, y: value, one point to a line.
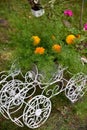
x: 18, y: 28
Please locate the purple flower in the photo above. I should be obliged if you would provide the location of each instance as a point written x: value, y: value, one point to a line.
x: 85, y: 26
x: 68, y: 13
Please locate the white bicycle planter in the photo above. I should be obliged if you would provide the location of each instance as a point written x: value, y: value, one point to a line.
x: 16, y: 95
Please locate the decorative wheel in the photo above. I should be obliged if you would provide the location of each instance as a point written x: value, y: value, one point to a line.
x: 11, y: 93
x: 37, y: 111
x: 76, y: 87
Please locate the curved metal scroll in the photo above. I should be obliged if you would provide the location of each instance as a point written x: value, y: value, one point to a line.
x: 16, y: 95
x: 56, y: 85
x: 37, y: 111
x: 14, y: 92
x: 76, y: 87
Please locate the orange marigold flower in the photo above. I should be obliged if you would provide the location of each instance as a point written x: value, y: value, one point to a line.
x: 56, y: 48
x: 36, y: 40
x: 70, y: 39
x: 39, y: 50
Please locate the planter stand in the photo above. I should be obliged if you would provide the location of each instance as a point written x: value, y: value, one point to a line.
x: 14, y: 93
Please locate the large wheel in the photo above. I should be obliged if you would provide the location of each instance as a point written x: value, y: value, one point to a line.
x: 9, y: 94
x: 37, y: 111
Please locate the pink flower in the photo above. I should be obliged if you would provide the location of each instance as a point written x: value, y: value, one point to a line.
x: 68, y: 13
x: 85, y: 26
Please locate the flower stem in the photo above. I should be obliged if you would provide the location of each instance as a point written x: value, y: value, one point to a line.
x: 81, y: 15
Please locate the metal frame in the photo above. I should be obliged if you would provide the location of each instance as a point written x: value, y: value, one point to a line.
x: 16, y: 94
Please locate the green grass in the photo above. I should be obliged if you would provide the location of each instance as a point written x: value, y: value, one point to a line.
x: 23, y: 27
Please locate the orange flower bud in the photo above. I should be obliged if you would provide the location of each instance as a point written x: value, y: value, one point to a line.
x: 56, y: 48
x: 78, y: 36
x: 53, y: 37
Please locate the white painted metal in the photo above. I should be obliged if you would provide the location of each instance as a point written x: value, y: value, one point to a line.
x: 76, y: 87
x: 38, y: 13
x: 36, y: 1
x: 14, y: 93
x: 56, y: 84
x: 37, y: 111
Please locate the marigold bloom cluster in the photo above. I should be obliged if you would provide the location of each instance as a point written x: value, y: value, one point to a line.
x: 36, y: 40
x: 85, y: 26
x: 56, y: 48
x: 70, y: 39
x: 39, y: 50
x: 68, y: 13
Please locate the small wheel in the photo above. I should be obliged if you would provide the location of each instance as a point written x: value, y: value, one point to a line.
x: 37, y: 111
x: 76, y: 87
